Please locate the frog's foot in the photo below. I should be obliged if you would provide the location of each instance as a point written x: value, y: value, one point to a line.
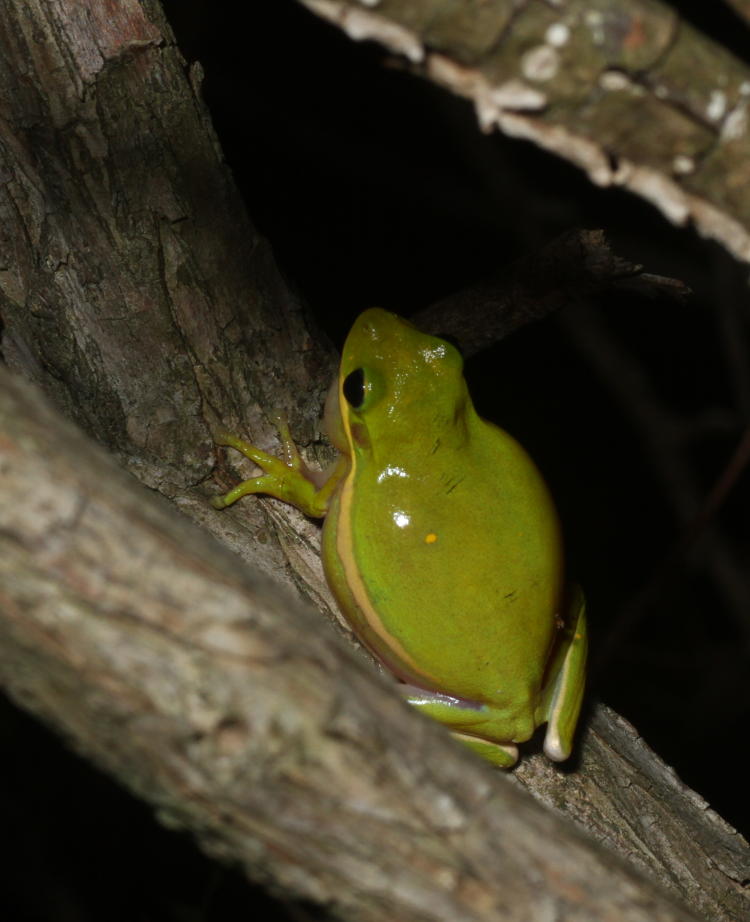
x: 466, y: 721
x: 274, y: 471
x: 563, y: 691
x: 292, y: 458
x: 286, y: 479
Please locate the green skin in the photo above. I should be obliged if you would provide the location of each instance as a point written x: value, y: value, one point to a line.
x: 441, y: 544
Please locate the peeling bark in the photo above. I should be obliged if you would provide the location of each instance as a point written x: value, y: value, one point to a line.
x: 626, y: 91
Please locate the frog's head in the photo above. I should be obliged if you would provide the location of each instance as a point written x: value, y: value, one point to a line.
x: 396, y: 382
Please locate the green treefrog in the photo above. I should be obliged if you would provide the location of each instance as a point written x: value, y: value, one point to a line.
x: 441, y: 543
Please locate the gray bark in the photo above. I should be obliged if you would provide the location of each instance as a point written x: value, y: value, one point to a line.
x: 625, y: 90
x: 219, y: 699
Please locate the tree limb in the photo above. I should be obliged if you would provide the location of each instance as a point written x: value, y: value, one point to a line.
x: 741, y: 8
x: 224, y: 704
x: 625, y: 90
x: 573, y: 268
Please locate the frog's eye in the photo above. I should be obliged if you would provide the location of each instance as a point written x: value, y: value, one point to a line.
x: 354, y: 387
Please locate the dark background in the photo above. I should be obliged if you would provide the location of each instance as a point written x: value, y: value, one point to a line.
x: 376, y: 188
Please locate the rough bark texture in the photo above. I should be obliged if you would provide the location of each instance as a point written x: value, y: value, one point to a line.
x: 224, y: 704
x: 136, y: 293
x: 134, y: 288
x: 625, y: 90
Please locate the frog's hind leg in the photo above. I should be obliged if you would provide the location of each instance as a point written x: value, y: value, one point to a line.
x: 503, y: 756
x: 465, y: 720
x: 566, y: 678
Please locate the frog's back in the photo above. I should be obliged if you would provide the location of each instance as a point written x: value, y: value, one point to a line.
x: 461, y: 562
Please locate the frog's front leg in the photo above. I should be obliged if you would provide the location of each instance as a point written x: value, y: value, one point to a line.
x: 289, y: 480
x: 566, y: 677
x: 461, y: 717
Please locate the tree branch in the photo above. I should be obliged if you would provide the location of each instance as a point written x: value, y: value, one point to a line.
x: 221, y: 702
x: 741, y: 8
x: 625, y: 90
x: 573, y: 268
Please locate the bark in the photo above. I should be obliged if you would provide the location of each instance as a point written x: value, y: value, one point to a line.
x: 221, y: 701
x: 135, y: 289
x: 742, y: 8
x: 575, y: 267
x: 137, y: 295
x: 625, y: 90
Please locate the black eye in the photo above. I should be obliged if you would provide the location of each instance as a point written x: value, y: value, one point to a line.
x: 354, y: 387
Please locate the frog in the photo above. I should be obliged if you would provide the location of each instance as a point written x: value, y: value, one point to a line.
x: 441, y: 543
